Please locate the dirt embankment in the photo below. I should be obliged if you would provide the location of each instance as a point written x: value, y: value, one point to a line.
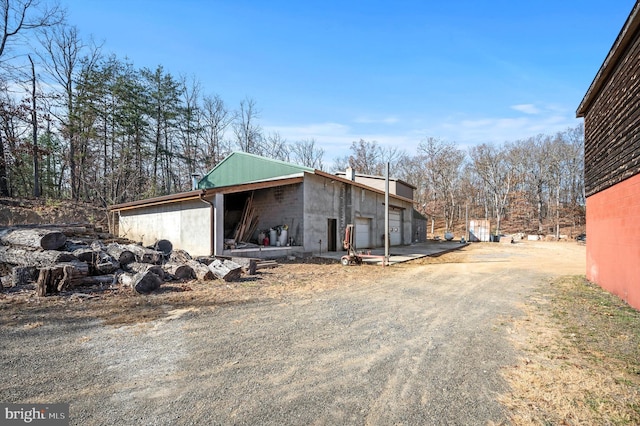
x: 22, y: 211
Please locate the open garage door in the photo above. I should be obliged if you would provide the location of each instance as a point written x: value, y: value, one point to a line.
x: 395, y: 227
x: 363, y: 237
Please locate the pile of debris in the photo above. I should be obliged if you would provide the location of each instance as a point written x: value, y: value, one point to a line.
x: 63, y: 257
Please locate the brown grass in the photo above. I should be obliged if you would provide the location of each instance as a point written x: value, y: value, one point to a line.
x: 123, y: 306
x: 582, y: 362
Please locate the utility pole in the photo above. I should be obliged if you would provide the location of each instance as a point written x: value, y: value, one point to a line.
x: 386, y: 214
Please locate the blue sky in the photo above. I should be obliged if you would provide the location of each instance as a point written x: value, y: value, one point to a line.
x: 390, y: 71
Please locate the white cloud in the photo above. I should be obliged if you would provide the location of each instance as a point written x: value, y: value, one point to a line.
x: 384, y: 120
x: 526, y: 108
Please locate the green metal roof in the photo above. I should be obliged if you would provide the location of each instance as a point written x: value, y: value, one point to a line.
x: 240, y: 167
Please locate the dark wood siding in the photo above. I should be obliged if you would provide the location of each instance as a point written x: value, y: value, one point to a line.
x: 612, y: 126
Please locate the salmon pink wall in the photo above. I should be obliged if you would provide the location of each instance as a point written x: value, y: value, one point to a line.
x: 613, y: 240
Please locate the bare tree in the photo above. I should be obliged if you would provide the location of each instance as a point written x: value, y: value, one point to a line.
x: 306, y: 153
x: 216, y: 120
x: 492, y: 164
x: 63, y: 57
x: 366, y: 157
x: 246, y: 129
x: 18, y: 16
x: 443, y: 163
x: 274, y: 146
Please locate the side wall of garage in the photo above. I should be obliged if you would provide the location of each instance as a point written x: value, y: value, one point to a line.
x: 350, y: 204
x: 187, y: 224
x: 613, y: 249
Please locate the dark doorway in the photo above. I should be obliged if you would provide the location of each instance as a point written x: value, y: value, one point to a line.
x: 332, y: 231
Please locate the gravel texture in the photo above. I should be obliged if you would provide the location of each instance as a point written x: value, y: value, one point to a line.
x: 414, y: 344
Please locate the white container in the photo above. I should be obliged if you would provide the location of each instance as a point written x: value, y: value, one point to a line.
x: 273, y: 236
x: 283, y: 237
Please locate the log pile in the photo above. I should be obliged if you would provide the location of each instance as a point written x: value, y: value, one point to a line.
x: 60, y: 259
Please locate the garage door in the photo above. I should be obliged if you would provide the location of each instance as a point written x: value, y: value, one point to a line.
x: 362, y: 233
x: 395, y: 227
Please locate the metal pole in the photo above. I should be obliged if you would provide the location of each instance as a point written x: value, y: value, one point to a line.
x: 466, y: 221
x: 386, y: 214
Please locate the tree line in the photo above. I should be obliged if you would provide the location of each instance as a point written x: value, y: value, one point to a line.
x: 77, y: 123
x: 534, y: 185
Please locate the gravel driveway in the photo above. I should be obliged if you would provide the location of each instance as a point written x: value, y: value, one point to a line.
x: 424, y: 344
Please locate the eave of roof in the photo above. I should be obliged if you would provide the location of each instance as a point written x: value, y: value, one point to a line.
x: 624, y: 39
x: 269, y: 183
x: 359, y: 185
x: 379, y: 178
x: 205, y: 193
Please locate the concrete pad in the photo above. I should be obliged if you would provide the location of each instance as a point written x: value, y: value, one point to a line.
x: 399, y: 254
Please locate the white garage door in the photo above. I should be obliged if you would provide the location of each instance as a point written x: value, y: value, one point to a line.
x: 395, y: 228
x: 362, y: 233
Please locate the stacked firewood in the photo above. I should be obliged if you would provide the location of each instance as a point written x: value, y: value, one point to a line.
x: 61, y: 258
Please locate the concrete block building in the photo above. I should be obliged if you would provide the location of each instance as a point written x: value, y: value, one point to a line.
x: 314, y: 206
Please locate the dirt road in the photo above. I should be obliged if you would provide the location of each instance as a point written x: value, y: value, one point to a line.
x: 419, y: 344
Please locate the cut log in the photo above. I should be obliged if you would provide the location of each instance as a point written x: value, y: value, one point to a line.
x: 85, y: 254
x: 142, y: 282
x: 180, y: 270
x: 179, y: 256
x: 263, y: 264
x: 98, y: 245
x: 104, y: 263
x: 73, y: 245
x: 206, y: 259
x: 226, y: 269
x: 163, y: 246
x: 48, y: 280
x: 201, y: 270
x: 46, y: 239
x: 120, y: 253
x: 136, y: 267
x: 77, y: 230
x: 23, y: 275
x: 145, y: 255
x: 248, y: 263
x: 22, y: 257
x: 6, y: 281
x: 72, y: 274
x: 96, y: 280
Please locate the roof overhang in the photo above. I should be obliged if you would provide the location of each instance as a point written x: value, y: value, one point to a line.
x: 359, y: 185
x: 203, y: 194
x: 620, y: 46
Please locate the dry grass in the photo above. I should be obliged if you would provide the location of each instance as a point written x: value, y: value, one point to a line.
x: 582, y: 363
x: 123, y: 306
